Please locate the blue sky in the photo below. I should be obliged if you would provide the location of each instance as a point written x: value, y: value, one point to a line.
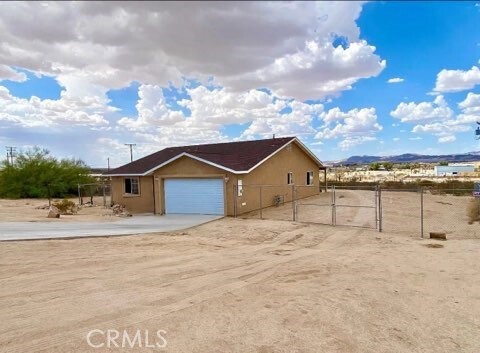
x: 348, y: 78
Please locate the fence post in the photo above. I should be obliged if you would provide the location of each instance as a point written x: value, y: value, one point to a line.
x: 104, y: 196
x: 235, y: 196
x: 294, y: 203
x: 380, y: 210
x: 376, y: 206
x: 421, y: 211
x: 91, y: 194
x: 79, y: 195
x: 261, y: 207
x: 334, y: 209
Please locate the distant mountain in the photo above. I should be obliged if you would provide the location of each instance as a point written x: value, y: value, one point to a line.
x: 413, y: 158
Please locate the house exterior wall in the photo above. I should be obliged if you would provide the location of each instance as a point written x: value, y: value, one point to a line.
x: 272, y: 172
x: 142, y: 203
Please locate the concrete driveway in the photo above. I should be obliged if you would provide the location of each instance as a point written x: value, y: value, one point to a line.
x: 131, y: 225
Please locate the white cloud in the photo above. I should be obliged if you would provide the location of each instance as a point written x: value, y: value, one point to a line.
x: 67, y: 111
x: 352, y: 141
x: 354, y: 127
x: 471, y: 104
x: 424, y: 111
x: 470, y: 109
x: 445, y: 130
x: 395, y: 80
x: 152, y: 111
x: 158, y: 126
x: 416, y: 138
x: 457, y: 80
x: 448, y: 138
x: 211, y: 110
x: 297, y: 122
x: 316, y: 71
x: 285, y: 46
x: 7, y: 73
x: 396, y: 139
x: 223, y: 107
x: 436, y: 118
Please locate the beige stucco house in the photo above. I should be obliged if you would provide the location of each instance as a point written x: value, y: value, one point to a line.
x: 221, y: 178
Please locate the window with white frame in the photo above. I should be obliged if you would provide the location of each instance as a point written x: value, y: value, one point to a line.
x: 290, y: 178
x: 309, y: 178
x: 131, y: 186
x: 240, y: 187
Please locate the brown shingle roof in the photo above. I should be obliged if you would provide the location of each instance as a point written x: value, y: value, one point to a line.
x: 236, y: 156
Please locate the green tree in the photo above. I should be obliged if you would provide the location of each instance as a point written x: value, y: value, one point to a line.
x: 36, y: 174
x: 374, y: 166
x: 388, y: 165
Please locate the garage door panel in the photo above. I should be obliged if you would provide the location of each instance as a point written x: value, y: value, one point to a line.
x: 194, y: 196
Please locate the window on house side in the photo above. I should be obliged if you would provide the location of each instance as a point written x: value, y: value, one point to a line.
x: 290, y: 178
x: 310, y: 178
x: 131, y: 186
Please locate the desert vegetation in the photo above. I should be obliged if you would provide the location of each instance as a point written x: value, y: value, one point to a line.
x: 35, y: 173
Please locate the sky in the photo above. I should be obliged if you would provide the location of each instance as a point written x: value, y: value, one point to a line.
x: 82, y: 79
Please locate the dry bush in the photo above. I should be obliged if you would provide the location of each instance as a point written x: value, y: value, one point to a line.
x: 66, y: 207
x: 473, y: 210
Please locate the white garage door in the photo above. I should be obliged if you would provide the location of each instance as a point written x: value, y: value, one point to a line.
x: 194, y: 196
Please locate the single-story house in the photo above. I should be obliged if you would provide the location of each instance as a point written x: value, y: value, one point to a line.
x: 220, y: 178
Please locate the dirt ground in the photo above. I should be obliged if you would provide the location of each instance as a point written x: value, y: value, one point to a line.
x: 238, y: 285
x: 25, y: 210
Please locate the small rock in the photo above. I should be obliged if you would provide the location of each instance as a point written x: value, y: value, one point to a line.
x: 120, y: 211
x: 53, y: 212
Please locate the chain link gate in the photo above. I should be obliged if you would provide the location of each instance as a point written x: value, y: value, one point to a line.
x: 352, y: 206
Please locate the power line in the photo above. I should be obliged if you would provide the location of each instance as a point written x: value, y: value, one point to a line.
x: 131, y: 150
x: 10, y: 153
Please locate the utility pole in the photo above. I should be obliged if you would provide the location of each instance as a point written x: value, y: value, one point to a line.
x: 108, y: 163
x: 131, y: 150
x: 10, y: 154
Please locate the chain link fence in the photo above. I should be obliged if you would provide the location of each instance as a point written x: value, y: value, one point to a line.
x: 413, y: 212
x: 95, y: 194
x: 307, y: 203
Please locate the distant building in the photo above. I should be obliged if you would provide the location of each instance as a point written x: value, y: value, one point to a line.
x: 453, y: 169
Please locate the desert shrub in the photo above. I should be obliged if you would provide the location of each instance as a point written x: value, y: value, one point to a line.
x: 473, y: 210
x: 66, y: 207
x: 36, y: 174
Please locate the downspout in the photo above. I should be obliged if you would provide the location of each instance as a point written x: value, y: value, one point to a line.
x: 154, y: 201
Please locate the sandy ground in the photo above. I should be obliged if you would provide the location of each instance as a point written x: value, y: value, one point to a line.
x: 238, y: 285
x: 24, y: 210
